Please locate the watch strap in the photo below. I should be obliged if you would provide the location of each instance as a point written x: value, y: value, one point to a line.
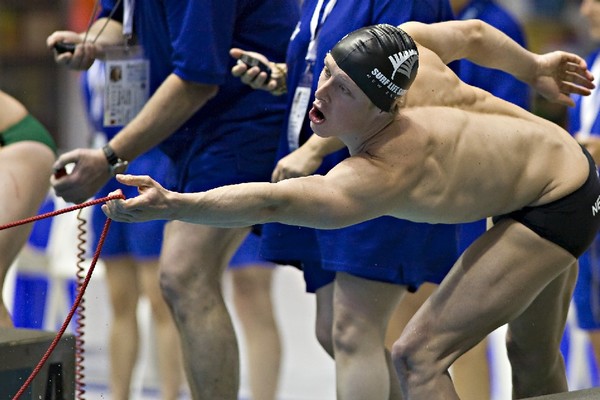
x: 115, y: 164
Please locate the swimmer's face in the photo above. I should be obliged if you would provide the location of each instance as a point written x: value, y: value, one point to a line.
x: 340, y: 106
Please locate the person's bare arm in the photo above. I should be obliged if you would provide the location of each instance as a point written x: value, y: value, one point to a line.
x: 306, y: 159
x: 555, y: 75
x: 172, y: 104
x: 341, y: 198
x: 96, y: 40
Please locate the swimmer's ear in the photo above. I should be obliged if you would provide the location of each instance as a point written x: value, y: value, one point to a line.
x: 399, y: 103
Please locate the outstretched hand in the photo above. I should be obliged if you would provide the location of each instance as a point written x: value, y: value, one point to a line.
x: 152, y: 203
x: 561, y: 74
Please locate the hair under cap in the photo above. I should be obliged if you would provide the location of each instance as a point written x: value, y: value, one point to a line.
x: 381, y: 59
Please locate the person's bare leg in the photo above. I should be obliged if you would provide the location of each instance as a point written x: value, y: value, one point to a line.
x: 324, y: 318
x: 252, y: 299
x: 192, y: 262
x: 405, y: 310
x: 361, y: 311
x: 124, y: 292
x: 492, y: 283
x: 470, y: 372
x: 168, y: 348
x: 533, y: 341
x: 24, y: 186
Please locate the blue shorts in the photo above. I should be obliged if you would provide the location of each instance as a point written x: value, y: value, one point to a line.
x: 142, y: 240
x: 390, y: 250
x: 226, y: 153
x: 385, y: 249
x: 289, y: 245
x: 468, y: 233
x: 586, y: 297
x: 248, y: 253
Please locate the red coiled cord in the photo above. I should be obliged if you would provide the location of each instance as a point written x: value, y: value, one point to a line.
x: 81, y: 287
x: 79, y: 320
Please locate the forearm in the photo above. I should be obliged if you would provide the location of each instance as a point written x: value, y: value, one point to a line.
x: 321, y: 147
x: 476, y: 41
x: 172, y: 104
x: 489, y: 47
x: 110, y: 35
x: 228, y: 206
x: 291, y: 202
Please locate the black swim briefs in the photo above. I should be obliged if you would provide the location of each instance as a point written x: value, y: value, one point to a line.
x: 571, y: 222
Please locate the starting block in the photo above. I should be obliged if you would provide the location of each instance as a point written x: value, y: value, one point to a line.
x: 20, y: 352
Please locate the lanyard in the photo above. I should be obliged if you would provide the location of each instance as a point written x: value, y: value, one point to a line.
x: 320, y: 14
x: 590, y: 105
x: 128, y: 7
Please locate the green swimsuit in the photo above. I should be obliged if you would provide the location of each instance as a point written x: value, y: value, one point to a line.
x: 28, y: 128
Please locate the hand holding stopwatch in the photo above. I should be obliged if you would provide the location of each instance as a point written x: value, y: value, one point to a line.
x: 251, y: 61
x: 64, y: 47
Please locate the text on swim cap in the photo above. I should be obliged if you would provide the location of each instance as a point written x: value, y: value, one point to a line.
x: 403, y: 61
x: 384, y: 81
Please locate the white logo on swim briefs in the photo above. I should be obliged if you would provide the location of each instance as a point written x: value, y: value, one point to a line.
x: 596, y: 207
x: 403, y: 61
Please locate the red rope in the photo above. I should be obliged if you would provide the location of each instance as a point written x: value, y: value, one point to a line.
x: 62, y: 211
x: 83, y: 286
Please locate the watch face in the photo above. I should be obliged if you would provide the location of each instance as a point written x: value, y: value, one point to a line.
x: 119, y: 168
x: 115, y: 164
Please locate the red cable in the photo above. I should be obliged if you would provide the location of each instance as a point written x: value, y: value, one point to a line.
x: 80, y: 317
x: 62, y: 211
x: 83, y: 286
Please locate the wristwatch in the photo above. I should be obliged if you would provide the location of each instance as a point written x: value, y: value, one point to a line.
x: 115, y: 164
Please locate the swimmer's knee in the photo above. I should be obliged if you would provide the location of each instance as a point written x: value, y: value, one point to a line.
x: 415, y: 360
x: 405, y: 357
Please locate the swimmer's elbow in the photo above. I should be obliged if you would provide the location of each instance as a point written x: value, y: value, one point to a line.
x: 473, y: 33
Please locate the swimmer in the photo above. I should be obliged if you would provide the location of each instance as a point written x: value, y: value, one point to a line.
x: 27, y: 152
x: 439, y: 151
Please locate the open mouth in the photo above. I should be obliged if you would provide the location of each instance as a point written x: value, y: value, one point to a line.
x: 316, y: 116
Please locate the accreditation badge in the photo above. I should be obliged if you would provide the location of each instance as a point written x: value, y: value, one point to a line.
x: 299, y: 108
x: 127, y: 77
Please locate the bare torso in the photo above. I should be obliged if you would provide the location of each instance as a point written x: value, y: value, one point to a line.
x: 464, y: 155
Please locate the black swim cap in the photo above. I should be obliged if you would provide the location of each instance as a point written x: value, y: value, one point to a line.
x: 381, y: 59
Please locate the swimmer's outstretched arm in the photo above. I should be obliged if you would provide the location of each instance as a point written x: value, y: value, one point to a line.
x: 309, y: 201
x: 554, y: 75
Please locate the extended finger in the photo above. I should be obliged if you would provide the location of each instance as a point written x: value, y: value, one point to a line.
x: 571, y: 88
x: 580, y: 79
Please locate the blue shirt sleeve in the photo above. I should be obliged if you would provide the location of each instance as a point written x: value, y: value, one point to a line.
x: 207, y: 25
